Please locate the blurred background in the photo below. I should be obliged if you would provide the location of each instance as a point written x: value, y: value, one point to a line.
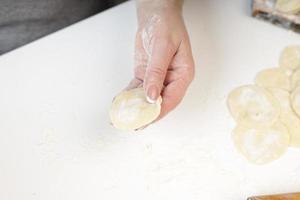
x: 23, y: 21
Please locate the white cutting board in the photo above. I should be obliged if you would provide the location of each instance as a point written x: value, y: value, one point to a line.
x: 55, y: 137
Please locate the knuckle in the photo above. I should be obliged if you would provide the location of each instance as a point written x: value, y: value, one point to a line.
x: 189, y: 73
x: 139, y: 72
x: 157, y: 71
x: 165, y: 41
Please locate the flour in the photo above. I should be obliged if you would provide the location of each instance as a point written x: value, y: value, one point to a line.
x: 128, y: 110
x: 148, y: 32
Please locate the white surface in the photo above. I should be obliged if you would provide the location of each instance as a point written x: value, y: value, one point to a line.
x: 55, y: 137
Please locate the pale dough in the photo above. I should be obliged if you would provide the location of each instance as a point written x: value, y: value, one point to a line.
x: 295, y: 79
x: 268, y: 113
x: 290, y: 58
x: 130, y: 110
x: 295, y: 98
x: 283, y: 98
x: 261, y: 145
x: 273, y: 78
x: 287, y: 116
x: 251, y: 105
x: 288, y: 6
x: 292, y: 122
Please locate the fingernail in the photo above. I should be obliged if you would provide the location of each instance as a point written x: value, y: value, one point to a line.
x: 152, y: 94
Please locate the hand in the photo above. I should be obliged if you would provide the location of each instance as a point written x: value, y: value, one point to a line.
x: 163, y: 57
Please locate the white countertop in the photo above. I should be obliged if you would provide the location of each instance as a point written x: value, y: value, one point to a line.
x: 55, y: 137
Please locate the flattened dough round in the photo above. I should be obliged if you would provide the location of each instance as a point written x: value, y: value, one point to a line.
x: 295, y: 79
x: 261, y: 145
x: 283, y: 98
x: 273, y: 78
x: 130, y: 110
x: 251, y: 105
x: 292, y: 122
x: 287, y: 116
x: 295, y: 99
x: 290, y: 57
x: 288, y: 6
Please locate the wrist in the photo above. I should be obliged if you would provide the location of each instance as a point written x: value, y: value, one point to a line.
x: 163, y: 8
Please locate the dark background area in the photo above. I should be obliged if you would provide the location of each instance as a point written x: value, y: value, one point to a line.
x: 23, y: 21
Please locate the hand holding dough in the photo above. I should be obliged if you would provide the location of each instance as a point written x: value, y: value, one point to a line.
x: 130, y: 110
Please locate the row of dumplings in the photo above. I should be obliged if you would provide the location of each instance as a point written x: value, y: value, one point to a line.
x: 268, y: 112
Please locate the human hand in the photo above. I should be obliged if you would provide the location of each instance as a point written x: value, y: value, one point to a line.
x: 163, y: 57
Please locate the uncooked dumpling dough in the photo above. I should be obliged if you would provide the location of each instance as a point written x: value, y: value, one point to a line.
x: 295, y: 98
x: 130, y: 110
x: 261, y: 145
x: 273, y: 78
x: 287, y: 116
x: 295, y: 79
x: 288, y: 6
x: 268, y: 113
x: 253, y: 106
x: 283, y: 98
x: 292, y: 122
x: 290, y: 58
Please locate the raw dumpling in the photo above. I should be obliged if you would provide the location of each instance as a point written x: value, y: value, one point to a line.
x: 292, y: 122
x: 130, y: 110
x: 288, y: 6
x: 295, y: 79
x: 290, y: 58
x: 261, y: 145
x: 287, y: 116
x: 283, y: 98
x: 273, y: 78
x: 295, y: 98
x: 253, y: 106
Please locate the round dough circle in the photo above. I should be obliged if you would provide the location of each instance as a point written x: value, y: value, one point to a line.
x: 295, y: 99
x: 273, y: 78
x: 295, y: 79
x: 287, y: 116
x: 292, y: 122
x: 288, y: 6
x: 261, y: 145
x: 283, y: 98
x: 290, y: 58
x: 251, y: 105
x: 130, y: 110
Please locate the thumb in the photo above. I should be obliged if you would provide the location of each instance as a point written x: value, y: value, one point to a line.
x: 158, y: 63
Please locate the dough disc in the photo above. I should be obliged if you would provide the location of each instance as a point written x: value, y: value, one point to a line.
x: 130, y: 110
x: 287, y: 116
x: 295, y: 79
x: 273, y: 78
x: 290, y: 58
x: 253, y: 106
x: 288, y: 6
x: 295, y: 99
x: 261, y: 145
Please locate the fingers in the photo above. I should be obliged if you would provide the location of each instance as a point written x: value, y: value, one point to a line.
x: 178, y: 79
x: 172, y: 95
x: 159, y: 60
x: 135, y: 83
